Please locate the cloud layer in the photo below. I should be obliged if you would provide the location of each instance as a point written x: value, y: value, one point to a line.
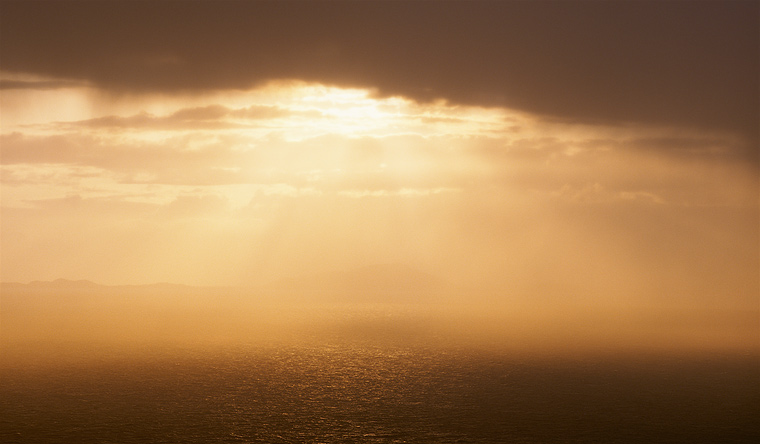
x: 668, y: 63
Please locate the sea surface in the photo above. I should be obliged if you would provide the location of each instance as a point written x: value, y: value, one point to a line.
x: 359, y: 393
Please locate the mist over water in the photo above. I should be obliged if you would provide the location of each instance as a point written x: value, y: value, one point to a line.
x: 42, y: 319
x: 89, y: 363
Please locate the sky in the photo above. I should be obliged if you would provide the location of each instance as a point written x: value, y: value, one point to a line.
x: 579, y: 150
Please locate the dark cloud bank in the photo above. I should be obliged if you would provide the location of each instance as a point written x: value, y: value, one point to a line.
x: 693, y: 64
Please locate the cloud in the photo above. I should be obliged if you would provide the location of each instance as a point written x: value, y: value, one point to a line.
x: 38, y: 84
x: 104, y: 208
x: 655, y: 164
x: 598, y: 194
x: 695, y: 65
x: 403, y: 192
x: 169, y: 160
x: 210, y: 117
x: 211, y: 158
x: 538, y: 161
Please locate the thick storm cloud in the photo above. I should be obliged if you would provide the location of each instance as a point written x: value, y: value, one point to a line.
x: 688, y: 64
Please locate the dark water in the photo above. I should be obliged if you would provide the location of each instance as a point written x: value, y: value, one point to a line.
x: 364, y: 394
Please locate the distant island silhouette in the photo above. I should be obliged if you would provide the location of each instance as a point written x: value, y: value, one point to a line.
x: 372, y: 283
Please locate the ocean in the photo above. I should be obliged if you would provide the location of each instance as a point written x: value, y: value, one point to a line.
x: 362, y: 393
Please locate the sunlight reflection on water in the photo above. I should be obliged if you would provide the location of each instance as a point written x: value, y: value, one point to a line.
x: 342, y: 393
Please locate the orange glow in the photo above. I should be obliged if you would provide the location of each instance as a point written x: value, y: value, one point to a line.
x: 370, y: 221
x: 294, y: 179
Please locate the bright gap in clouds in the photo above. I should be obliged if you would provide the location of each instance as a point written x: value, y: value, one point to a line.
x: 278, y: 139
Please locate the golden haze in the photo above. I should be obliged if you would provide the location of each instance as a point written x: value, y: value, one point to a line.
x: 538, y: 227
